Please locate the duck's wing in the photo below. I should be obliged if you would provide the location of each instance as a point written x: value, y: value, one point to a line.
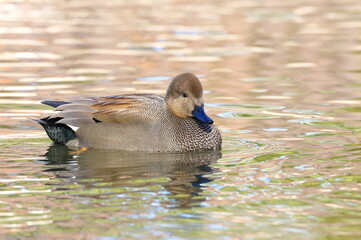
x: 129, y: 108
x: 117, y: 109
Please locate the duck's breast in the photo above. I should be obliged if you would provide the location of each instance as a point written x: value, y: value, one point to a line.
x: 194, y: 135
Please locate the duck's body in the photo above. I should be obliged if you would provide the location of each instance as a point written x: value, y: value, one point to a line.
x: 137, y: 122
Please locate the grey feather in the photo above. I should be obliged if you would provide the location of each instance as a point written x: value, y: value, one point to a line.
x: 76, y: 122
x: 86, y: 101
x: 75, y: 106
x: 72, y: 114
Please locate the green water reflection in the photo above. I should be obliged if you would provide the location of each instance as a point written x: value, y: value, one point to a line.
x: 188, y: 195
x: 179, y: 176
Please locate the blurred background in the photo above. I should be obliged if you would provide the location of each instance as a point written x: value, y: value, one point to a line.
x: 282, y: 81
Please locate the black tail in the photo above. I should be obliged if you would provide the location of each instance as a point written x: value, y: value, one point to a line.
x: 57, y: 132
x: 55, y: 103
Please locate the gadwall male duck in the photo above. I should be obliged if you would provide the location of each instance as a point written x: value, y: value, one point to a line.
x: 137, y: 122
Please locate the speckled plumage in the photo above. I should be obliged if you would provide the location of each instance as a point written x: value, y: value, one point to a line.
x: 142, y: 122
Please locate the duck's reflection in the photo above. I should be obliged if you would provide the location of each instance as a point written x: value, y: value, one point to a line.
x: 181, y: 175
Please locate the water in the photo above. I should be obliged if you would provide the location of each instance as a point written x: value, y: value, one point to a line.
x: 281, y: 80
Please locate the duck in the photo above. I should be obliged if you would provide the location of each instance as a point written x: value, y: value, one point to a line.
x: 137, y: 122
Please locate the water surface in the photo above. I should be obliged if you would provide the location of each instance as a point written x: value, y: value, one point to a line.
x: 281, y: 80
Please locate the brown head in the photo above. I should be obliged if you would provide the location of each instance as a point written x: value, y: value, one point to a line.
x: 184, y: 97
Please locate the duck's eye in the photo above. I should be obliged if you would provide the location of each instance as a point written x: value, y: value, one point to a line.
x: 184, y: 95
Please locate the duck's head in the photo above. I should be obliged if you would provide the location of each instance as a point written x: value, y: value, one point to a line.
x: 184, y: 97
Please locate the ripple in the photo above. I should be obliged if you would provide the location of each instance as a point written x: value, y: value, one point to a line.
x: 152, y: 45
x: 270, y: 97
x: 302, y: 111
x: 66, y: 79
x: 261, y: 79
x: 124, y: 52
x: 317, y: 134
x: 275, y: 129
x: 194, y: 59
x: 316, y: 122
x: 27, y: 64
x: 251, y: 106
x: 12, y: 56
x: 259, y: 90
x: 301, y: 65
x: 99, y: 62
x: 17, y: 94
x: 349, y: 109
x: 245, y: 115
x: 25, y: 42
x: 90, y: 71
x: 155, y: 78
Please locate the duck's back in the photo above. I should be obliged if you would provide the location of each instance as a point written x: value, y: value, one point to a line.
x: 128, y: 122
